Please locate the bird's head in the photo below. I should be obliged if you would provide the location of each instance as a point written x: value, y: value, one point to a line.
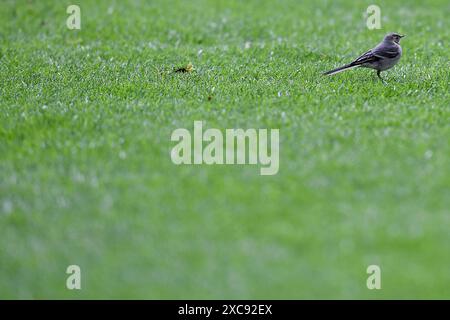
x: 393, y: 37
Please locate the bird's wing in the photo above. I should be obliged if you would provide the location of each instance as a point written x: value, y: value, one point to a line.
x: 384, y: 52
x: 367, y: 57
x: 389, y: 53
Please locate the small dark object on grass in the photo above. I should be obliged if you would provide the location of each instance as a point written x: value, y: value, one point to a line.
x: 188, y: 68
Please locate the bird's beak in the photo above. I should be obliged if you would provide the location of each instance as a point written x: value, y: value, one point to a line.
x: 402, y: 35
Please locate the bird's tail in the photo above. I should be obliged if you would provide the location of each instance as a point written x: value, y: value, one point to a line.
x: 340, y: 69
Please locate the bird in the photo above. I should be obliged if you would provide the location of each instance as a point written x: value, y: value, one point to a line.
x: 383, y: 57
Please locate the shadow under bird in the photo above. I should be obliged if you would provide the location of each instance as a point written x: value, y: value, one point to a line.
x: 383, y: 57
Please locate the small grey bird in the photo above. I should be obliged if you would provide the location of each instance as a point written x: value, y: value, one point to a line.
x: 383, y: 57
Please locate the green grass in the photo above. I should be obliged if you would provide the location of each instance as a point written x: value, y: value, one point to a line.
x: 86, y: 176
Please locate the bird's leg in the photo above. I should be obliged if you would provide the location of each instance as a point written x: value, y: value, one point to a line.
x: 379, y: 76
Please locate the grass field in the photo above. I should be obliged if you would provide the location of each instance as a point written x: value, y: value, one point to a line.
x: 86, y: 176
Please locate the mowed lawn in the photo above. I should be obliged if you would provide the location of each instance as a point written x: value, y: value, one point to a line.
x: 86, y: 176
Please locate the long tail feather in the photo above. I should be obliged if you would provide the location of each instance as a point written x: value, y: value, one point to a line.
x: 340, y: 69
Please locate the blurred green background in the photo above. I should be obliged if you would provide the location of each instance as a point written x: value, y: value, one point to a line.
x: 86, y: 176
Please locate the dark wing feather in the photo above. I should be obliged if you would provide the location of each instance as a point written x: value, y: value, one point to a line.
x: 367, y: 57
x: 386, y: 51
x: 387, y: 54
